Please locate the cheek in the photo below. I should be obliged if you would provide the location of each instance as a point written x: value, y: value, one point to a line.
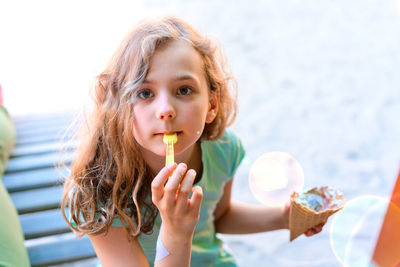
x: 139, y: 122
x: 196, y: 116
x: 135, y: 131
x: 141, y: 115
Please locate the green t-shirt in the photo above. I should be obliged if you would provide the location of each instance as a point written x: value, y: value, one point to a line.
x: 12, y: 250
x: 220, y: 160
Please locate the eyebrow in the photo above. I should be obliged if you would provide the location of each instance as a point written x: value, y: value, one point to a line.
x: 183, y: 77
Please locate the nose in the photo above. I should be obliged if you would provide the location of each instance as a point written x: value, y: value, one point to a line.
x: 165, y: 110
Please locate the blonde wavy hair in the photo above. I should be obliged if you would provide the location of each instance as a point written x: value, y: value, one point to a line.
x: 108, y: 177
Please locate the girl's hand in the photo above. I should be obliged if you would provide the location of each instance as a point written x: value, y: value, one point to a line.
x: 310, y: 232
x: 179, y: 214
x: 314, y: 230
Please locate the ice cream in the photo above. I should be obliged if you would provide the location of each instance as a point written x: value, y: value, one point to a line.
x: 312, y: 208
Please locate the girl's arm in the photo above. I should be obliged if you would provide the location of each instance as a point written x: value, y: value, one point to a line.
x: 114, y: 249
x: 179, y: 214
x: 232, y: 217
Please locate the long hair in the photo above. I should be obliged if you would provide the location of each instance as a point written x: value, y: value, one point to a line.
x: 109, y: 179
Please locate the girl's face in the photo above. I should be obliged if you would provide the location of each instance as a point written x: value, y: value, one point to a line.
x: 174, y: 98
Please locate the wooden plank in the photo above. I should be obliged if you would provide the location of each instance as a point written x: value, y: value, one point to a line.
x: 29, y: 174
x: 47, y: 160
x: 43, y: 138
x: 21, y: 141
x: 43, y: 223
x: 42, y: 148
x: 60, y: 249
x: 29, y: 121
x: 91, y: 262
x: 37, y: 199
x: 44, y: 129
x: 40, y: 124
x: 20, y: 181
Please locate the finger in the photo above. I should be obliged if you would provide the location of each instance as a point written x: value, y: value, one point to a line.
x: 318, y: 228
x: 185, y: 189
x: 309, y: 232
x: 173, y: 183
x: 157, y: 185
x: 195, y: 201
x: 287, y: 206
x: 286, y: 214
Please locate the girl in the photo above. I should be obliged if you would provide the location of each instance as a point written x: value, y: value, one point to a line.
x: 165, y: 78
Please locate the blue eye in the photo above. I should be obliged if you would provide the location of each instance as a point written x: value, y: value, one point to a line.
x: 144, y: 94
x: 185, y: 90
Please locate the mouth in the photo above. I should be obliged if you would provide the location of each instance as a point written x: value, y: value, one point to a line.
x: 171, y: 132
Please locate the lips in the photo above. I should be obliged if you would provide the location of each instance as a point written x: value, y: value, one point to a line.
x: 169, y: 132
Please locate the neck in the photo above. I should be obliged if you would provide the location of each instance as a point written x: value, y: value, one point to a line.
x: 191, y: 157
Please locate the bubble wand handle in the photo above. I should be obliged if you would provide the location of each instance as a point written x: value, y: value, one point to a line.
x: 169, y: 140
x: 169, y: 158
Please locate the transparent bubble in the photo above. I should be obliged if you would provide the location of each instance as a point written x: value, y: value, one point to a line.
x: 356, y: 228
x: 274, y: 177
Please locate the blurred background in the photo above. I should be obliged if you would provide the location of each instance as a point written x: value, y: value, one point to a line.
x: 317, y: 79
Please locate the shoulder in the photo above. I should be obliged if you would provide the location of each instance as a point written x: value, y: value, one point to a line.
x: 226, y: 152
x: 230, y: 139
x: 227, y: 144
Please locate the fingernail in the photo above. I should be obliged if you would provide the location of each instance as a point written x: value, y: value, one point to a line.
x: 182, y: 166
x: 192, y: 173
x: 171, y: 166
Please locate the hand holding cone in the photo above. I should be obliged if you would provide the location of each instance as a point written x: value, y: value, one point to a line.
x: 312, y: 208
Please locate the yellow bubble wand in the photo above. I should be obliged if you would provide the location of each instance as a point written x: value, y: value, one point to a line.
x: 170, y: 140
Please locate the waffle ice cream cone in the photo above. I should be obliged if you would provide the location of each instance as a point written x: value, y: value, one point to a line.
x: 311, y: 208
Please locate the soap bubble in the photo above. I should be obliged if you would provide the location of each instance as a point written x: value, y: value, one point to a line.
x: 356, y: 228
x: 274, y: 177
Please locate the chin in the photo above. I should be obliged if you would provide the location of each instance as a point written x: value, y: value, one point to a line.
x: 159, y: 152
x: 181, y: 150
x: 155, y: 150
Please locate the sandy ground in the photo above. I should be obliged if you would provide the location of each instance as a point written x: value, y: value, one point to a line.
x: 319, y: 80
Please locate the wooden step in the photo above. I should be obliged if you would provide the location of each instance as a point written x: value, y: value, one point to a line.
x: 43, y: 223
x: 42, y: 148
x: 57, y: 130
x: 35, y: 187
x: 59, y: 249
x: 27, y: 122
x: 33, y: 162
x: 42, y: 138
x: 33, y: 179
x: 37, y: 199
